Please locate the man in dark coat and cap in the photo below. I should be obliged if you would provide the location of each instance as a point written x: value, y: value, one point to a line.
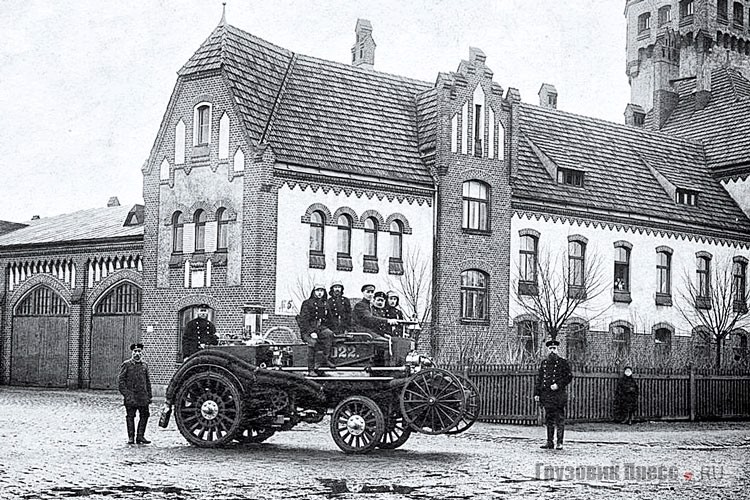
x: 313, y: 321
x: 339, y: 309
x: 363, y: 318
x: 134, y: 384
x: 198, y: 333
x: 551, y: 391
x: 393, y: 311
x: 626, y: 396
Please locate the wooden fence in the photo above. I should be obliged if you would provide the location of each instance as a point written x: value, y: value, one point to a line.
x: 508, y: 394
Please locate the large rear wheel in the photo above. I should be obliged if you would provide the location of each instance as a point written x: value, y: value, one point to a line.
x: 471, y: 412
x: 208, y: 409
x: 357, y: 425
x: 433, y: 401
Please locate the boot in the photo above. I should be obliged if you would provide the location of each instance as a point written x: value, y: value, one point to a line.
x: 560, y: 436
x: 550, y: 445
x: 130, y: 423
x: 330, y: 363
x: 140, y: 439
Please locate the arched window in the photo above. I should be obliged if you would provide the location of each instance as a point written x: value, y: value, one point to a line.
x: 203, y: 127
x: 576, y: 268
x: 664, y: 277
x: 476, y: 200
x: 739, y: 284
x: 474, y: 295
x: 222, y: 227
x: 621, y: 333
x: 622, y: 269
x: 42, y: 301
x: 371, y: 237
x: 644, y: 22
x: 576, y: 342
x: 345, y: 235
x: 703, y: 275
x: 317, y: 224
x: 397, y: 232
x: 199, y: 218
x: 663, y: 343
x: 738, y: 18
x: 528, y: 338
x: 177, y: 230
x: 722, y: 11
x: 528, y: 257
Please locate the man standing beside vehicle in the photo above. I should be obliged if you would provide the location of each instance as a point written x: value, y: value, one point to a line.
x: 198, y: 333
x: 134, y: 384
x: 551, y: 391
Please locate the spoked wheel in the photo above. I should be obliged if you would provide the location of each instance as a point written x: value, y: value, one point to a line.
x: 433, y: 401
x: 208, y: 409
x: 471, y: 412
x: 254, y: 435
x: 357, y: 425
x: 397, y: 431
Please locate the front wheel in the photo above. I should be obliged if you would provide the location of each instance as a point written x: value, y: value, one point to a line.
x: 397, y: 432
x: 208, y: 409
x: 357, y: 425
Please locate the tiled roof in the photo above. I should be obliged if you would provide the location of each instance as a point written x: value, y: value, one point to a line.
x: 723, y: 125
x: 324, y: 114
x: 618, y: 179
x: 84, y: 225
x: 6, y: 227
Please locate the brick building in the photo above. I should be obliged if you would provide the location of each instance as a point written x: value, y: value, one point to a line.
x: 273, y: 170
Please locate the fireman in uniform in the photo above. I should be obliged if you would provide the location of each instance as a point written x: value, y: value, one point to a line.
x: 313, y: 321
x: 551, y: 391
x: 198, y: 333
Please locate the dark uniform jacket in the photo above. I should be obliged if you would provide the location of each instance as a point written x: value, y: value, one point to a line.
x: 313, y: 315
x: 364, y: 320
x: 339, y: 313
x: 134, y: 383
x: 553, y: 370
x: 394, y: 312
x: 626, y: 394
x: 198, y: 331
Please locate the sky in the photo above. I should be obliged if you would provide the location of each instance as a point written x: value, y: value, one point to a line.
x: 84, y: 84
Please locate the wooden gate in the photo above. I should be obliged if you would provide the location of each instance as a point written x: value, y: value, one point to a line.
x: 115, y: 325
x: 39, y: 343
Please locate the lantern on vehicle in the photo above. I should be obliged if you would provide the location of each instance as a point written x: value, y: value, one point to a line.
x: 253, y: 320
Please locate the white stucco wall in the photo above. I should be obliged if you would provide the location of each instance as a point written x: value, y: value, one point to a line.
x: 642, y: 312
x: 293, y: 273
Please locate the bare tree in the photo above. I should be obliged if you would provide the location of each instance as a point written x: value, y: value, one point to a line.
x: 558, y: 291
x: 714, y: 304
x: 415, y: 289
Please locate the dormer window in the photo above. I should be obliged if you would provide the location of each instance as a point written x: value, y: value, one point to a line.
x: 644, y: 22
x: 570, y: 177
x: 639, y: 119
x: 738, y: 15
x: 665, y: 15
x: 686, y: 197
x: 687, y: 8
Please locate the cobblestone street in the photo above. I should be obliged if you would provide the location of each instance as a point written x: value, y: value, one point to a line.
x: 72, y: 444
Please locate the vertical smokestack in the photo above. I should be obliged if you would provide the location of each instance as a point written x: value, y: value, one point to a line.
x: 363, y: 52
x: 548, y: 96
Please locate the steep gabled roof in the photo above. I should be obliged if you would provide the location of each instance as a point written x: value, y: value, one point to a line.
x: 618, y: 180
x: 723, y: 125
x: 84, y: 225
x: 318, y: 113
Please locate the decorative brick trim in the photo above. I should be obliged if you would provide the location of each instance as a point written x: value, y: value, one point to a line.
x: 111, y: 281
x: 740, y: 259
x: 629, y: 227
x: 196, y: 299
x: 579, y: 238
x: 35, y: 281
x: 319, y: 207
x: 663, y: 324
x: 664, y: 249
x: 334, y: 221
x: 623, y: 244
x: 529, y: 232
x: 372, y: 213
x: 703, y: 254
x: 359, y: 190
x: 199, y: 205
x: 402, y: 219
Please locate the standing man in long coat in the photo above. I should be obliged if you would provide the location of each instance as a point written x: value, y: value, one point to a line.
x: 134, y: 384
x: 551, y: 391
x: 198, y: 332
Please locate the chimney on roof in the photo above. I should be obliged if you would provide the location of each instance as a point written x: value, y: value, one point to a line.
x: 113, y: 202
x: 702, y: 87
x: 548, y: 96
x: 34, y: 217
x: 363, y: 52
x: 634, y: 115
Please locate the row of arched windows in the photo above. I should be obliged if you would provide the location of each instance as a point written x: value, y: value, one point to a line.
x: 199, y: 221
